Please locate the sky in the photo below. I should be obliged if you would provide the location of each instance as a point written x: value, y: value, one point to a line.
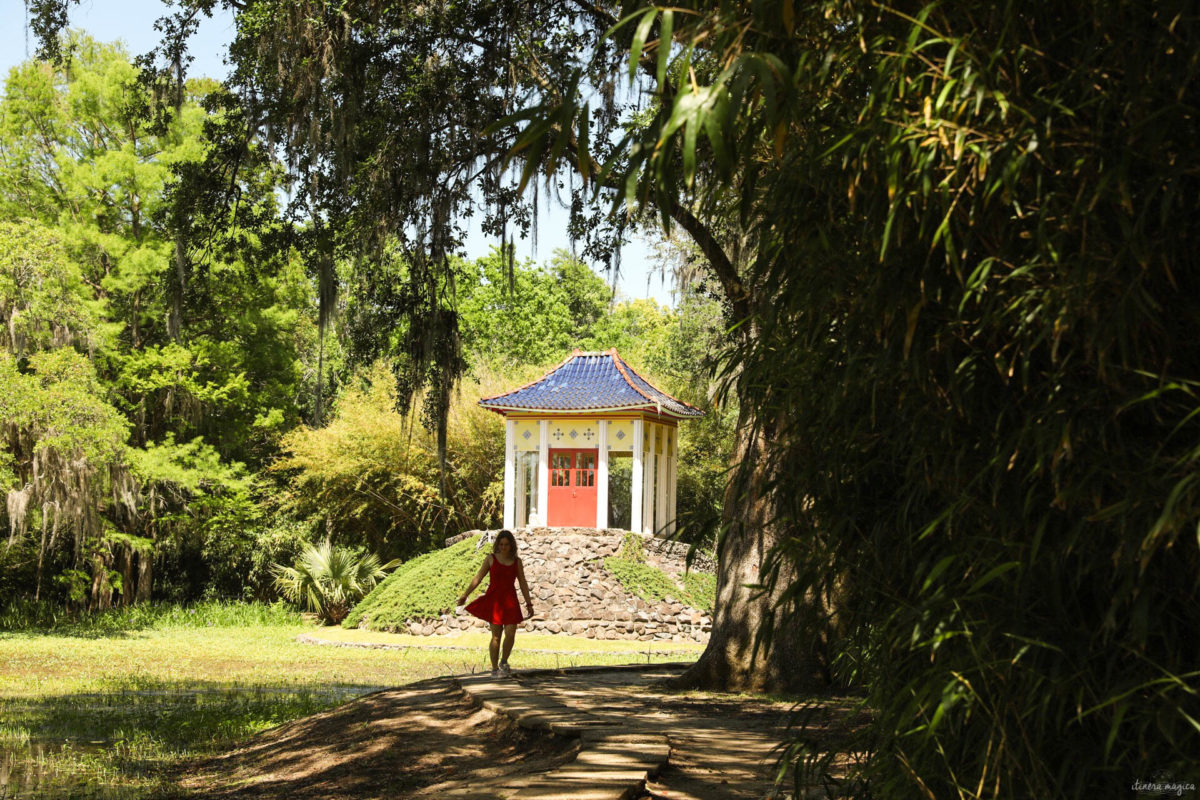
x: 132, y: 21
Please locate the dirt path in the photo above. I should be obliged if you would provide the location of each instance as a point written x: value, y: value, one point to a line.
x: 427, y: 740
x: 420, y: 740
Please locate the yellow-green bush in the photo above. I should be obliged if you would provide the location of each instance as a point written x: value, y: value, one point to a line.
x: 421, y: 588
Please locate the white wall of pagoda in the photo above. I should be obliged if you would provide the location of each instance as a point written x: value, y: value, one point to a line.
x: 652, y: 444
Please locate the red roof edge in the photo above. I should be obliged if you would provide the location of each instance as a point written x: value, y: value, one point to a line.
x: 622, y: 366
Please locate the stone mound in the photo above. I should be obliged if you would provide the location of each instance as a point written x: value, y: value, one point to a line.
x: 573, y: 593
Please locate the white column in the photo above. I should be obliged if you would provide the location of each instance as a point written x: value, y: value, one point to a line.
x: 648, y: 495
x: 543, y: 483
x: 673, y: 484
x: 636, y: 491
x: 522, y: 490
x: 602, y: 476
x: 510, y: 474
x: 660, y: 500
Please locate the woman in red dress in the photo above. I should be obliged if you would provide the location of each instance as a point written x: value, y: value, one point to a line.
x: 498, y: 606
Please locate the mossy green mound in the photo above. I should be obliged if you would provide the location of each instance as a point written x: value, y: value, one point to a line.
x: 629, y: 567
x: 419, y: 589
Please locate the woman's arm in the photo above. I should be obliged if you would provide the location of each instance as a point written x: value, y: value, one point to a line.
x: 483, y: 570
x: 524, y: 586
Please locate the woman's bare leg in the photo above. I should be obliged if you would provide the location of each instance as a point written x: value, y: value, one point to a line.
x: 510, y: 633
x: 494, y: 645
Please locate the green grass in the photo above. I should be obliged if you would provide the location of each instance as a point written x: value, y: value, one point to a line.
x: 108, y: 712
x: 45, y: 617
x: 526, y: 642
x: 419, y: 589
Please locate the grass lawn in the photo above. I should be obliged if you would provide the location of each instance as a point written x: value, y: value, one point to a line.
x: 528, y: 645
x: 106, y: 713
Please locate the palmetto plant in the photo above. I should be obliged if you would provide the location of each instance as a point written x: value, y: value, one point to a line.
x: 328, y: 580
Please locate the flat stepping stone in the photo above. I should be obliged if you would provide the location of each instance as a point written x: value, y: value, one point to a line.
x: 613, y: 762
x: 610, y: 766
x: 527, y: 708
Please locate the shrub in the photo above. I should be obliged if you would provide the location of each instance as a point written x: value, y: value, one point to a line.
x: 328, y: 579
x: 700, y: 589
x: 419, y: 589
x: 629, y: 567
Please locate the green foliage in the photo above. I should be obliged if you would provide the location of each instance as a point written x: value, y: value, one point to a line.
x: 968, y: 339
x: 193, y: 347
x: 240, y: 557
x: 25, y: 615
x: 639, y: 578
x: 639, y: 329
x: 198, y: 549
x: 700, y: 589
x: 421, y: 588
x: 328, y: 579
x: 44, y: 301
x: 531, y: 315
x: 373, y: 475
x: 56, y: 401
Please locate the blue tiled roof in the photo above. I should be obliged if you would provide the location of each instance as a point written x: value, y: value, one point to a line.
x: 590, y: 382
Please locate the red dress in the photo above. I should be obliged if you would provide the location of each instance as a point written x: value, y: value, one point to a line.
x: 498, y: 605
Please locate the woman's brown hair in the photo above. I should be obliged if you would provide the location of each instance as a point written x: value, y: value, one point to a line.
x: 506, y: 534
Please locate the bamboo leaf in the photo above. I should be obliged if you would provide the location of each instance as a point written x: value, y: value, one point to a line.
x: 640, y: 34
x: 665, y: 31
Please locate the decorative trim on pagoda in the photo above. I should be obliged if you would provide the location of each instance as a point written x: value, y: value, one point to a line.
x: 596, y: 382
x: 561, y: 431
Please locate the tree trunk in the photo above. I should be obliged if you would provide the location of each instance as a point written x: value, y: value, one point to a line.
x: 101, y: 594
x: 145, y: 575
x: 128, y: 556
x: 760, y: 641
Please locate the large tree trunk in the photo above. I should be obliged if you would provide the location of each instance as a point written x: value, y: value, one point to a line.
x: 761, y: 641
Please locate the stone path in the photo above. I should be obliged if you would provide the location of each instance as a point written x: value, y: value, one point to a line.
x: 635, y: 740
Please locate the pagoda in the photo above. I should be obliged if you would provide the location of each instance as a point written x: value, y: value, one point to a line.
x: 562, y: 433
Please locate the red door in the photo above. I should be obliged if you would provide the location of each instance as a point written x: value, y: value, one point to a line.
x: 572, y: 500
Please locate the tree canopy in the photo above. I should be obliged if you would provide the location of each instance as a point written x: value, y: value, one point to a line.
x: 952, y: 243
x: 971, y: 352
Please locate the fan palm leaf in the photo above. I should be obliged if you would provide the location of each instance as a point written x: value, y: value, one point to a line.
x: 328, y: 580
